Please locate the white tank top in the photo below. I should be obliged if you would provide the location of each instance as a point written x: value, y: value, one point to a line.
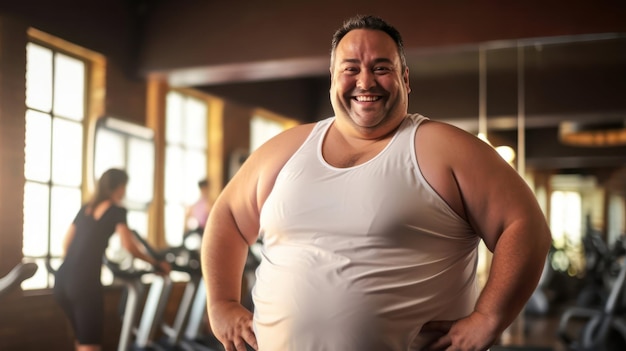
x: 359, y: 258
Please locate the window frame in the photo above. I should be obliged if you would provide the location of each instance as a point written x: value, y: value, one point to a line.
x: 210, y: 126
x: 93, y: 106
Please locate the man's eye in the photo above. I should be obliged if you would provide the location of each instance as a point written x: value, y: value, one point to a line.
x: 351, y: 69
x: 381, y: 70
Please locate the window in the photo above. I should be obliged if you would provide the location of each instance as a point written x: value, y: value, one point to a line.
x: 566, y: 227
x: 55, y: 101
x: 124, y: 145
x: 616, y: 228
x: 565, y: 218
x: 576, y: 209
x: 264, y: 125
x: 186, y: 131
x: 263, y: 129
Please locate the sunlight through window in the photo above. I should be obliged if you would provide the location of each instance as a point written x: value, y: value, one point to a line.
x: 36, y: 218
x: 37, y: 149
x: 616, y: 228
x: 55, y: 100
x: 128, y: 146
x: 67, y: 152
x: 109, y: 151
x: 141, y: 185
x: 185, y: 159
x: 69, y: 91
x: 262, y: 129
x: 39, y: 77
x: 566, y: 227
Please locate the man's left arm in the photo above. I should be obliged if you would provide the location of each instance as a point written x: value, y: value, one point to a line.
x: 504, y: 212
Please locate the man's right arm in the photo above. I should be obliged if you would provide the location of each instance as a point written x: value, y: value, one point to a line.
x: 233, y: 225
x: 231, y: 228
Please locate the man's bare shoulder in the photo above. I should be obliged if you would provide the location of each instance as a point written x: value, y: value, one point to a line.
x: 438, y: 127
x: 443, y: 136
x: 287, y: 142
x: 297, y: 133
x: 273, y: 154
x: 262, y: 167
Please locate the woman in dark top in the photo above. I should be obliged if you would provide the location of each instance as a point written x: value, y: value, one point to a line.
x: 77, y: 282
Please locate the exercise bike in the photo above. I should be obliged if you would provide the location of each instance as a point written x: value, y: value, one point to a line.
x: 604, y: 327
x: 16, y: 276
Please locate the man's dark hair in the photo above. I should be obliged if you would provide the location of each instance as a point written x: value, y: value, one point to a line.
x: 368, y: 22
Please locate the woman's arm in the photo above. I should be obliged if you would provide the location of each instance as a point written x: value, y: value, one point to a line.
x: 135, y: 248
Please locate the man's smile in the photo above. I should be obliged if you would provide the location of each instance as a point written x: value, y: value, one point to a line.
x: 367, y: 98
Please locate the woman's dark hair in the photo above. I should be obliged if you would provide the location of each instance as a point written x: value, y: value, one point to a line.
x: 108, y: 183
x: 203, y: 183
x: 368, y: 22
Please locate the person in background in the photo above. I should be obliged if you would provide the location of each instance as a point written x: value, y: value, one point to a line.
x: 198, y: 213
x: 196, y: 218
x: 77, y: 287
x: 370, y: 222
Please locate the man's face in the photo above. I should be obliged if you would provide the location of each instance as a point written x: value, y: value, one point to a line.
x: 368, y: 86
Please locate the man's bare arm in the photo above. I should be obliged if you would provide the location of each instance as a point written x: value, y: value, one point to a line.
x: 497, y: 202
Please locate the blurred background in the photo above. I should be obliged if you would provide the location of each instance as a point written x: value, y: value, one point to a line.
x: 178, y: 91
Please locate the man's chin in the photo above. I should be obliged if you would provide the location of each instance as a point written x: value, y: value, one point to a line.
x: 367, y: 121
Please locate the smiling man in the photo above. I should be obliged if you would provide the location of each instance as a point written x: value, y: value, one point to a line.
x: 370, y: 81
x: 370, y: 222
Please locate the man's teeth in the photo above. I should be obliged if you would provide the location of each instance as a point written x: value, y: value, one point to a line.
x: 367, y: 98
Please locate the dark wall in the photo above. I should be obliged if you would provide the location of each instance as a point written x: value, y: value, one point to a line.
x: 110, y: 28
x: 304, y: 99
x: 553, y: 87
x: 207, y: 33
x: 12, y: 129
x: 112, y: 31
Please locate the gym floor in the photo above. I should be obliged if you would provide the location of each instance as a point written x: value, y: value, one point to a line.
x: 536, y: 332
x: 541, y: 331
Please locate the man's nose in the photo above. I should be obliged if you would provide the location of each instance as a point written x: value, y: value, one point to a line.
x: 366, y: 80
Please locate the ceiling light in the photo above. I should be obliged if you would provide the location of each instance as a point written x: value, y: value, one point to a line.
x: 506, y: 152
